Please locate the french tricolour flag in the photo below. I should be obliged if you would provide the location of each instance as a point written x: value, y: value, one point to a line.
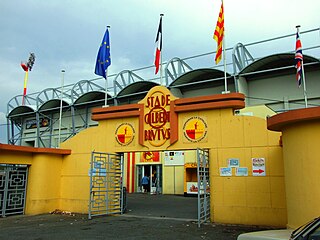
x: 158, y: 47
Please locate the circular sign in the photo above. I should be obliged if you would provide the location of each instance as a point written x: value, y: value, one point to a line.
x: 125, y: 134
x: 195, y: 129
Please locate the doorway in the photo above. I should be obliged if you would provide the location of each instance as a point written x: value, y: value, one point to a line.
x: 154, y: 173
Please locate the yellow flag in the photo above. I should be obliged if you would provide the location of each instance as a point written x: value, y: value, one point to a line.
x: 218, y: 34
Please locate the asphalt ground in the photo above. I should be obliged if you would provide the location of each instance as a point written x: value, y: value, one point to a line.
x: 147, y: 217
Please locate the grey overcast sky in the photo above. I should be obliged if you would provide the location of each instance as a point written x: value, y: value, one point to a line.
x: 65, y: 34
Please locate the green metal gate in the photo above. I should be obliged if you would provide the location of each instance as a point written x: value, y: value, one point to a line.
x: 106, y: 188
x: 13, y: 184
x: 203, y: 186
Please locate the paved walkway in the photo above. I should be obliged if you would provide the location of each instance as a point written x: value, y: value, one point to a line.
x: 172, y: 218
x: 162, y: 206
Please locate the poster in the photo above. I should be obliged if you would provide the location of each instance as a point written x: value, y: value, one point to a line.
x: 174, y: 158
x: 233, y: 162
x: 258, y: 167
x: 225, y: 171
x: 241, y: 171
x: 149, y: 157
x: 32, y: 123
x: 192, y: 187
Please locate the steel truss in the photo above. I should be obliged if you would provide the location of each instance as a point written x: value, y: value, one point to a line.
x: 79, y: 97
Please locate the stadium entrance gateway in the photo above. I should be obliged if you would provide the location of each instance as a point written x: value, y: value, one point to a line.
x: 180, y: 131
x: 247, y: 167
x: 146, y: 134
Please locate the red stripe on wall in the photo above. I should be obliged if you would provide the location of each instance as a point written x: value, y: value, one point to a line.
x: 133, y: 164
x: 128, y: 172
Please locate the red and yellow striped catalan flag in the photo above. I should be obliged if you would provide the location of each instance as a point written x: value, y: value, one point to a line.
x: 218, y: 34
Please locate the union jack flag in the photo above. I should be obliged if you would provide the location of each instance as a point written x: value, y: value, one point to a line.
x: 299, y: 58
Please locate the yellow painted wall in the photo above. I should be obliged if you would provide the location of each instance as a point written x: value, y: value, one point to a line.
x: 75, y: 181
x: 8, y: 157
x: 43, y: 193
x: 261, y: 111
x: 240, y: 200
x: 302, y: 171
x: 43, y: 186
x: 248, y: 200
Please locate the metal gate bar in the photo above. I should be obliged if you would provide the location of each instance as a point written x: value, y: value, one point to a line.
x: 106, y: 195
x: 203, y: 186
x: 13, y: 185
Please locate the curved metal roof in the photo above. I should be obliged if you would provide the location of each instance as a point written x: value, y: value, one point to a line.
x: 86, y: 91
x: 136, y: 87
x: 201, y: 76
x: 22, y: 110
x: 278, y: 62
x: 53, y: 104
x: 90, y: 97
x: 49, y: 94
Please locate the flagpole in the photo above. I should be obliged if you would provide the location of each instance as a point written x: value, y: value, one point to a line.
x: 106, y: 92
x: 304, y: 86
x: 224, y: 55
x: 225, y: 65
x: 60, y: 114
x: 161, y: 80
x: 303, y: 78
x: 219, y: 36
x: 106, y: 83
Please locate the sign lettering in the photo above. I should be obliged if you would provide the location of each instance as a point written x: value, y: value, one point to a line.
x: 156, y: 118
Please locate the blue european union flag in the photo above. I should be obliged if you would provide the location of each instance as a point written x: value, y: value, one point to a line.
x: 103, y: 58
